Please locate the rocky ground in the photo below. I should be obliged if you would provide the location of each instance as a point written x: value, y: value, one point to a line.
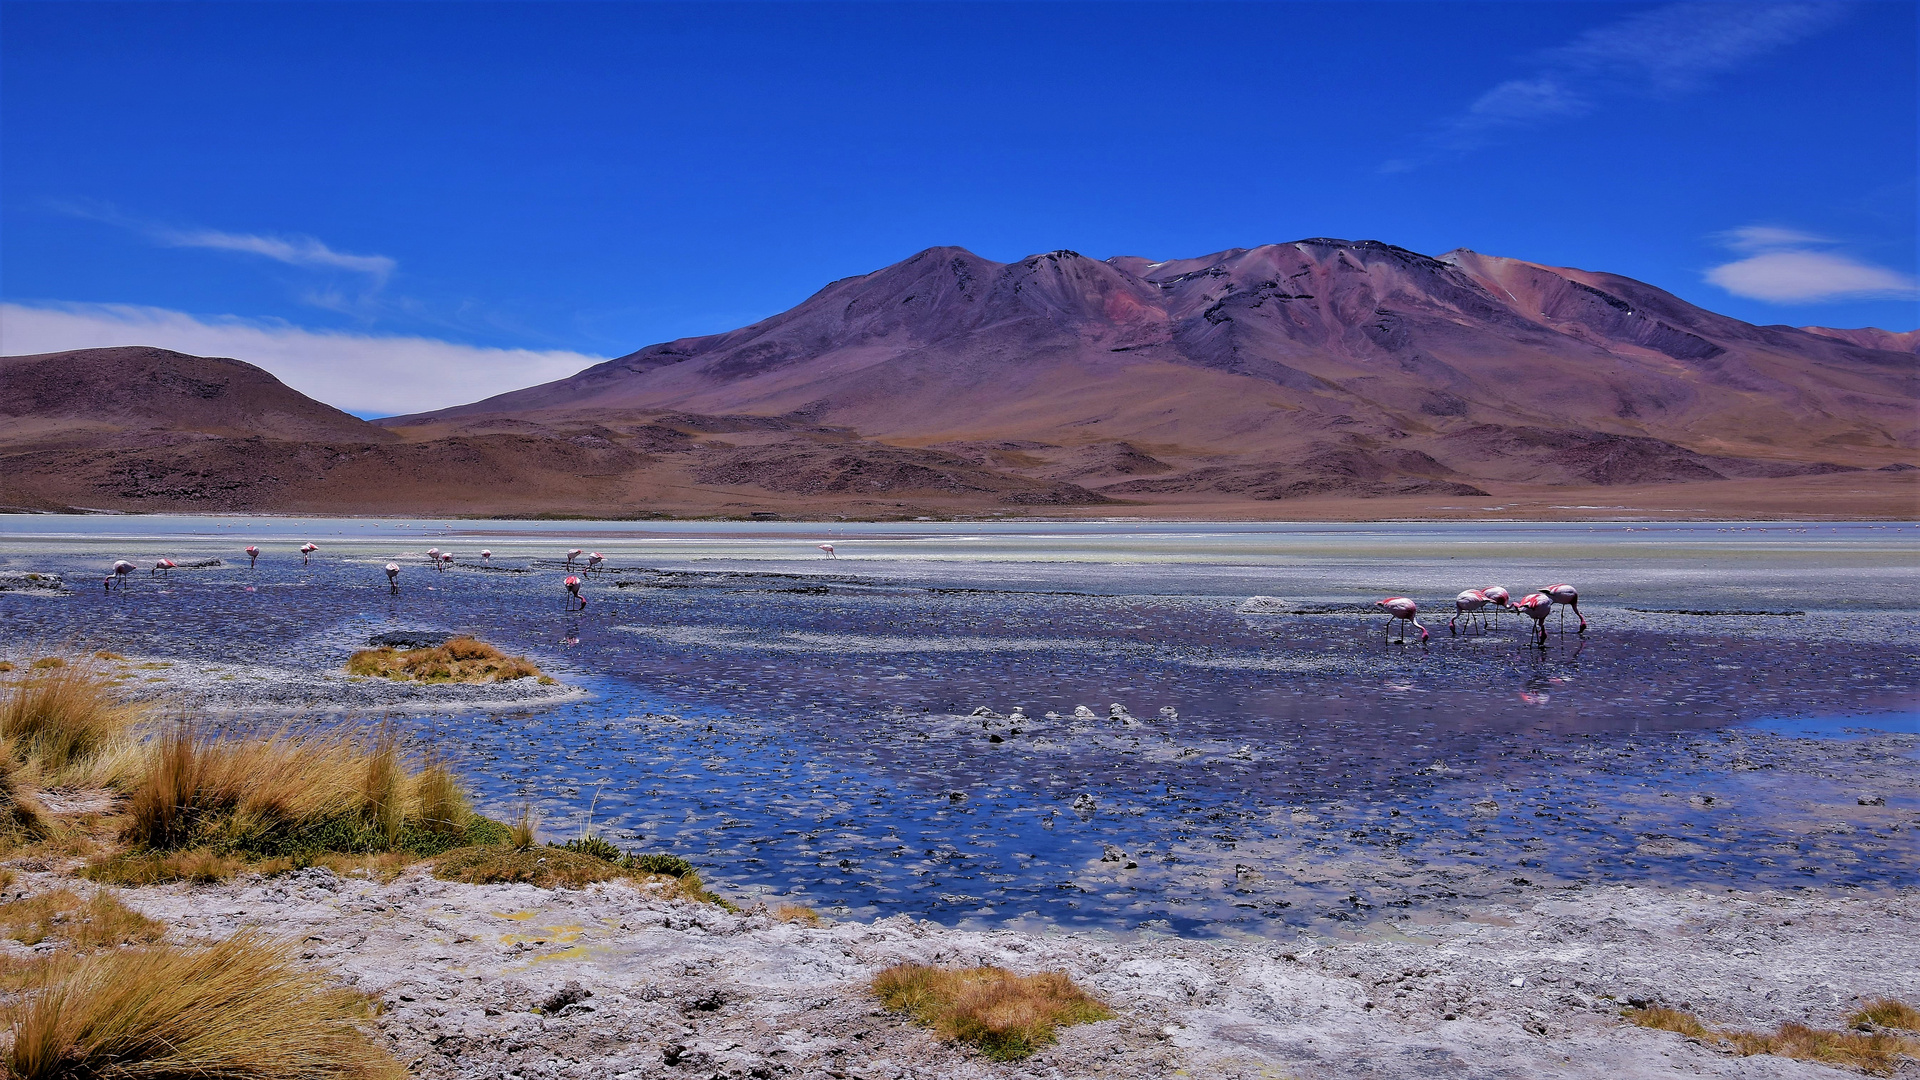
x: 616, y: 981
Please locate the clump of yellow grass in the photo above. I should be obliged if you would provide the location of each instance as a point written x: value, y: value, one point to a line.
x: 98, y: 921
x: 239, y: 1010
x: 62, y: 717
x: 1007, y: 1016
x: 293, y: 792
x: 1875, y: 1052
x: 461, y: 659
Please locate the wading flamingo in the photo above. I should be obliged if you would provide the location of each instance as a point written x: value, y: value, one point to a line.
x: 594, y: 559
x: 573, y: 592
x: 253, y: 556
x: 1470, y: 604
x: 1535, y: 606
x: 446, y: 559
x: 574, y: 554
x: 1570, y: 596
x: 433, y: 557
x: 828, y: 548
x: 121, y: 568
x: 1403, y: 611
x: 486, y: 556
x: 306, y: 552
x: 164, y: 566
x: 1497, y: 597
x: 393, y: 577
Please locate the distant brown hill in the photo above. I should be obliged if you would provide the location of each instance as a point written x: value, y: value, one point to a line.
x: 1872, y: 337
x: 1285, y: 380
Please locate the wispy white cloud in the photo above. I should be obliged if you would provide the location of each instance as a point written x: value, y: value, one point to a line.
x: 293, y: 250
x: 1787, y: 266
x: 362, y: 373
x: 1667, y: 51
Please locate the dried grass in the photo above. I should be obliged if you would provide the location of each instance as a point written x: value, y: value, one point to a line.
x: 553, y: 867
x: 293, y: 795
x: 1876, y: 1053
x: 1887, y: 1012
x: 239, y: 1010
x: 798, y: 913
x: 1007, y: 1016
x: 462, y: 659
x: 63, y: 719
x: 98, y: 921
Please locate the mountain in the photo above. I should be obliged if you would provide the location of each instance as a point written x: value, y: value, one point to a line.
x: 1872, y: 337
x: 1320, y: 378
x: 1315, y: 367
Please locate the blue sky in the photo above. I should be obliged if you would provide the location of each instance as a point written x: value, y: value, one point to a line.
x: 402, y: 206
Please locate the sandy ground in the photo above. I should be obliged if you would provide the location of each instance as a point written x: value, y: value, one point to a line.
x: 637, y: 986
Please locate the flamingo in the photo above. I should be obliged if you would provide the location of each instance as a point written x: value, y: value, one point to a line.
x: 433, y: 557
x: 446, y: 559
x: 121, y: 568
x: 486, y: 556
x: 594, y: 559
x: 828, y: 548
x: 253, y: 556
x: 393, y: 577
x: 573, y: 590
x: 306, y: 552
x: 1468, y: 603
x: 573, y: 554
x: 1535, y: 606
x: 1570, y: 596
x: 1498, y: 597
x: 1403, y: 611
x: 164, y: 564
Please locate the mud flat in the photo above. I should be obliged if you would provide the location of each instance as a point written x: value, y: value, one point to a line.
x: 615, y: 981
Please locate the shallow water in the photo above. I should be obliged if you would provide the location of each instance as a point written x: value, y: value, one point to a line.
x: 796, y: 724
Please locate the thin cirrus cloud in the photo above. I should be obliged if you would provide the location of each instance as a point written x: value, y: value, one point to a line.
x: 1787, y: 266
x: 1660, y: 53
x: 367, y: 374
x: 296, y: 250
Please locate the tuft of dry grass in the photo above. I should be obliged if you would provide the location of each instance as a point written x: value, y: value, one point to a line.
x: 49, y: 662
x: 59, y: 720
x: 199, y: 866
x: 238, y: 1010
x: 462, y: 659
x: 1887, y: 1012
x: 1876, y: 1053
x: 6, y: 665
x: 557, y: 868
x: 98, y: 921
x: 521, y: 834
x: 105, y: 654
x: 293, y: 795
x: 1007, y: 1016
x: 798, y: 913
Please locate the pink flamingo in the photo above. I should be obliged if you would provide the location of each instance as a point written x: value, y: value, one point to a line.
x: 1570, y: 596
x: 306, y: 552
x: 121, y: 568
x: 486, y: 556
x: 1403, y: 611
x: 165, y: 565
x: 573, y: 591
x: 393, y: 577
x: 433, y: 557
x: 573, y: 554
x: 594, y: 559
x: 1468, y: 603
x: 253, y: 556
x: 446, y: 559
x: 1536, y: 606
x: 1497, y: 598
x: 828, y: 548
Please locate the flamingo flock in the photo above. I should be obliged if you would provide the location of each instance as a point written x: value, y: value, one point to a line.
x: 1476, y: 606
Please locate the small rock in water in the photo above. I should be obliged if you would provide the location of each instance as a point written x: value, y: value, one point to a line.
x: 1053, y: 716
x: 988, y: 713
x: 1873, y: 800
x: 1018, y: 713
x: 1084, y: 803
x: 1486, y: 806
x: 1245, y: 753
x: 1169, y: 712
x: 1117, y: 711
x: 1081, y: 712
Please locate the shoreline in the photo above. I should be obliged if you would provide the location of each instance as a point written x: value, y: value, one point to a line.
x: 673, y: 988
